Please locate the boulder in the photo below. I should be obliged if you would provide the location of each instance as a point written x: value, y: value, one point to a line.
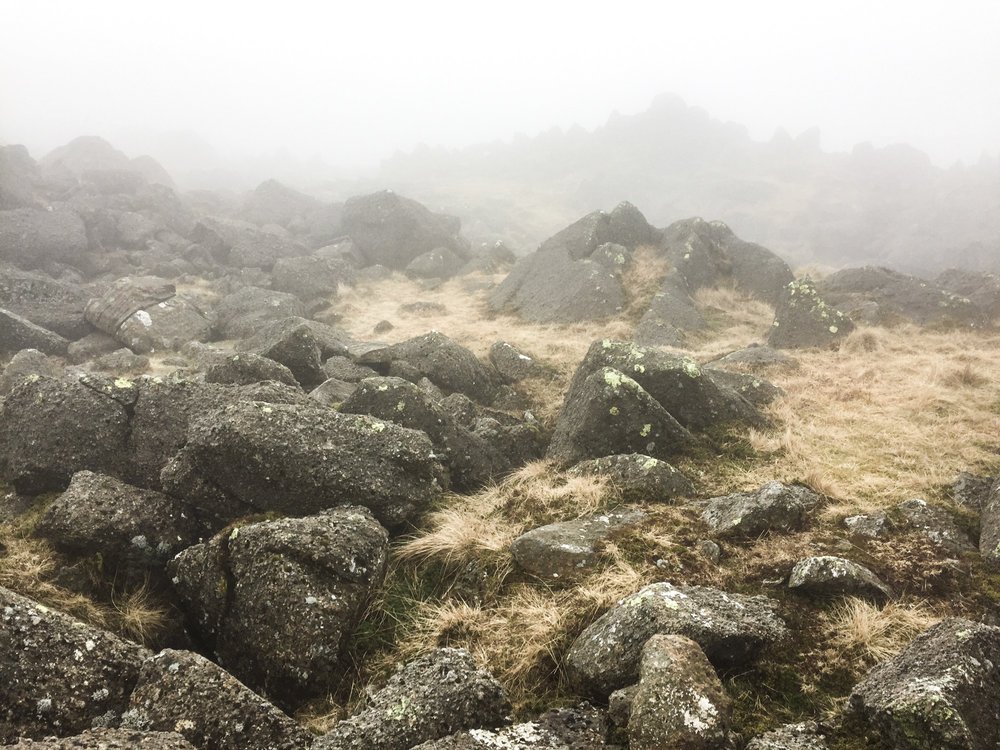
x: 109, y: 739
x: 583, y: 727
x: 122, y: 362
x: 179, y: 691
x: 869, y: 526
x: 754, y: 357
x: 391, y: 230
x: 936, y: 524
x: 17, y: 333
x: 91, y: 346
x: 277, y: 601
x: 758, y: 271
x: 245, y: 311
x: 628, y: 227
x: 333, y: 392
x: 802, y: 319
x: 59, y: 676
x: 19, y: 178
x: 610, y: 413
x: 55, y: 305
x: 27, y: 363
x: 308, y: 277
x: 289, y: 342
x: 981, y: 289
x: 829, y: 575
x: 732, y: 629
x: 31, y: 238
x: 271, y: 202
x: 671, y: 314
x: 490, y: 259
x: 449, y: 365
x: 679, y: 701
x: 972, y: 490
x: 440, y: 263
x: 942, y: 692
x: 127, y: 526
x: 246, y: 368
x: 428, y: 698
x: 748, y: 515
x: 755, y: 390
x: 299, y: 460
x: 697, y: 250
x: 511, y: 364
x: 637, y: 478
x: 803, y: 736
x: 989, y: 537
x: 344, y: 368
x: 569, y: 550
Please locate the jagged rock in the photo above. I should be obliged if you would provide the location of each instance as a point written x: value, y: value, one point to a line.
x: 609, y: 413
x: 470, y: 461
x: 428, y: 698
x: 440, y: 263
x: 307, y: 277
x: 126, y: 525
x: 677, y: 383
x: 122, y: 362
x: 627, y: 226
x: 802, y: 319
x: 989, y: 537
x: 637, y: 478
x: 493, y: 259
x: 17, y: 333
x: 392, y: 230
x: 247, y: 368
x: 58, y: 675
x: 277, y: 601
x: 333, y: 392
x: 450, y: 366
x: 971, y: 490
x: 732, y: 629
x: 511, y: 364
x: 342, y: 249
x: 344, y: 368
x: 874, y: 526
x: 569, y: 550
x: 179, y: 691
x: 936, y: 524
x: 803, y: 736
x: 244, y: 312
x: 671, y: 313
x: 827, y: 574
x: 109, y: 739
x: 680, y: 701
x: 30, y: 238
x: 581, y: 728
x: 27, y: 363
x: 19, y: 178
x: 981, y: 289
x: 755, y: 356
x: 697, y: 249
x: 747, y: 515
x: 55, y: 305
x: 942, y: 692
x: 757, y: 391
x: 758, y: 271
x: 91, y: 346
x: 290, y: 342
x: 889, y: 297
x: 299, y: 459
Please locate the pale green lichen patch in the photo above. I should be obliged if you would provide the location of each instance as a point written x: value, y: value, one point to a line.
x: 646, y: 429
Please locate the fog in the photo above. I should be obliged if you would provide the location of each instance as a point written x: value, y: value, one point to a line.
x: 353, y: 83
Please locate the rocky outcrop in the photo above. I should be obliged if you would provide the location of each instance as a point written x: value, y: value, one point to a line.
x: 747, y: 515
x: 803, y: 319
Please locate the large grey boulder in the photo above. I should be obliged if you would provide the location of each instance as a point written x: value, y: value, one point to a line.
x: 511, y: 364
x: 610, y: 413
x: 17, y: 333
x: 428, y: 698
x: 179, y: 691
x: 942, y: 692
x: 937, y: 524
x: 19, y: 178
x: 27, y: 363
x: 732, y: 629
x: 637, y: 478
x: 989, y: 537
x: 292, y: 593
x: 30, y: 237
x: 300, y: 345
x: 302, y: 459
x: 55, y: 305
x: 247, y: 368
x: 391, y: 230
x: 671, y: 314
x: 308, y: 277
x: 566, y: 551
x: 803, y: 319
x: 773, y: 507
x: 125, y: 525
x: 59, y: 676
x: 272, y: 202
x: 109, y: 739
x: 440, y: 263
x: 828, y: 574
x: 583, y: 727
x: 679, y: 701
x: 245, y: 311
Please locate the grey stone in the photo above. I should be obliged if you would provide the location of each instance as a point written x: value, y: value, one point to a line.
x: 27, y: 363
x: 247, y: 368
x: 245, y: 311
x: 31, y: 237
x: 109, y: 739
x: 17, y: 333
x: 803, y: 736
x: 582, y: 727
x: 637, y: 478
x: 936, y: 524
x: 827, y: 574
x: 803, y: 319
x: 774, y: 507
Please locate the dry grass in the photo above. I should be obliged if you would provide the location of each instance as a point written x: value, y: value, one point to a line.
x: 642, y: 279
x: 867, y: 633
x: 139, y: 614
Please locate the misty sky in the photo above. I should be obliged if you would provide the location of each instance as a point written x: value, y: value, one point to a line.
x: 354, y: 82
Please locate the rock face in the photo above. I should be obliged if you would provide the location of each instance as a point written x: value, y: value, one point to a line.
x: 568, y: 550
x: 301, y: 459
x: 391, y: 230
x: 54, y: 305
x: 803, y: 319
x: 179, y: 691
x: 277, y: 601
x: 110, y: 739
x: 941, y: 693
x: 804, y: 736
x: 679, y: 701
x: 448, y: 365
x: 17, y: 333
x: 57, y: 675
x: 610, y: 413
x: 637, y: 478
x: 827, y: 574
x: 774, y: 507
x: 581, y: 728
x: 126, y: 525
x: 989, y: 537
x: 29, y: 238
x: 731, y: 628
x: 427, y: 699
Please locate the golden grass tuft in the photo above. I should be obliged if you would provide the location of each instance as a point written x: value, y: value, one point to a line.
x: 869, y: 633
x: 139, y: 614
x: 642, y: 279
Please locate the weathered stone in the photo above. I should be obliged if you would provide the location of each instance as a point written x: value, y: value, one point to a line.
x: 290, y: 342
x: 972, y: 490
x: 989, y: 537
x: 292, y: 592
x: 569, y: 550
x: 874, y: 526
x: 59, y: 676
x: 308, y: 277
x: 166, y: 325
x: 827, y: 574
x: 941, y: 693
x: 17, y: 333
x: 511, y: 364
x: 774, y: 507
x: 344, y: 368
x: 609, y: 413
x: 122, y: 362
x: 581, y: 728
x: 755, y: 357
x: 30, y: 237
x: 91, y: 346
x: 804, y: 736
x: 27, y: 363
x: 936, y: 524
x: 440, y: 263
x: 755, y: 390
x: 333, y: 392
x: 732, y: 629
x: 272, y: 202
x: 637, y: 478
x: 178, y: 691
x: 803, y: 319
x: 245, y: 311
x: 427, y: 699
x: 55, y: 305
x: 680, y: 701
x: 247, y: 368
x: 109, y: 739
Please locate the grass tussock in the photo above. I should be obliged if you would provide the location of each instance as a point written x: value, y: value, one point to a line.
x: 642, y: 279
x: 865, y: 633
